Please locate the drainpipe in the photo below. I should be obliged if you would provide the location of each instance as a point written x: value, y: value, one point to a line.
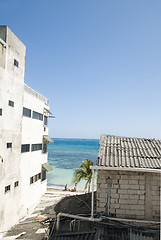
x: 75, y: 217
x: 92, y: 201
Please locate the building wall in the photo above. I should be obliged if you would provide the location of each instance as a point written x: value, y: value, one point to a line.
x: 11, y: 88
x: 125, y: 194
x: 33, y: 131
x: 16, y: 168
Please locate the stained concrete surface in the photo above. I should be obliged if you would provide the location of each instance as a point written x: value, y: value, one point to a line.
x: 45, y: 209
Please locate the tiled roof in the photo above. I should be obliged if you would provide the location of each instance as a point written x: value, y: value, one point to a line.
x: 129, y: 152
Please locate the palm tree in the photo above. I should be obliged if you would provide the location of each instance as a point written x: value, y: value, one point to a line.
x: 84, y: 172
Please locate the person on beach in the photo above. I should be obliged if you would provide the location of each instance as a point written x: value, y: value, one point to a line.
x: 66, y: 188
x: 75, y: 188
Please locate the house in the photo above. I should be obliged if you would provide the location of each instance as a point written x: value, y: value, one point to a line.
x: 23, y: 135
x: 128, y: 184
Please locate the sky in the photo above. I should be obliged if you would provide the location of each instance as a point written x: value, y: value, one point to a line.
x: 97, y: 61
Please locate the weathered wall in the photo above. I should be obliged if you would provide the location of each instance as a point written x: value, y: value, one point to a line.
x: 32, y: 133
x: 127, y: 194
x: 11, y: 88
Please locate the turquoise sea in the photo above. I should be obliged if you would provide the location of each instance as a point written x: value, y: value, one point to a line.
x: 65, y: 155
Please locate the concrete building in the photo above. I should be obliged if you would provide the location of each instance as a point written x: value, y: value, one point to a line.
x: 23, y: 135
x: 128, y: 184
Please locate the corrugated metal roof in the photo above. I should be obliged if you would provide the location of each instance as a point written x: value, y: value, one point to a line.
x: 126, y: 152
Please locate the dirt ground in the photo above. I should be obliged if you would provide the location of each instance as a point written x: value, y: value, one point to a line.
x: 53, y: 202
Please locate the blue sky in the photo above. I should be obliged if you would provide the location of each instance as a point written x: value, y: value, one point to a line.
x: 98, y: 62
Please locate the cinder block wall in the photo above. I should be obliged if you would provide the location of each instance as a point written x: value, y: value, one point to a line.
x: 126, y: 194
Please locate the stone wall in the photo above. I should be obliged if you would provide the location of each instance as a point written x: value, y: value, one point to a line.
x: 126, y: 194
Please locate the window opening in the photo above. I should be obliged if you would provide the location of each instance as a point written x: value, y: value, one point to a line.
x: 7, y: 188
x: 37, y: 115
x: 16, y: 184
x: 25, y: 148
x: 26, y: 112
x: 36, y: 147
x: 11, y: 103
x: 16, y: 63
x: 9, y: 145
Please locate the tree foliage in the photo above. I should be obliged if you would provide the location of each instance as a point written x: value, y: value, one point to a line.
x: 84, y: 172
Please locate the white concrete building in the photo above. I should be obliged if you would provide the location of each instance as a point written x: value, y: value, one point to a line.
x: 23, y: 135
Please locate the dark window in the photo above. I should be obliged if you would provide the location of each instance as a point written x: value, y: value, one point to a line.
x: 31, y: 180
x: 45, y: 120
x: 26, y: 112
x: 7, y: 188
x: 16, y: 63
x: 37, y: 115
x: 16, y: 184
x: 9, y: 145
x: 36, y: 147
x: 11, y: 103
x: 43, y: 174
x: 36, y: 178
x: 0, y: 111
x: 25, y: 148
x: 39, y: 175
x: 44, y: 147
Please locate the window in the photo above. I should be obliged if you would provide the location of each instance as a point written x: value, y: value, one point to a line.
x: 9, y: 145
x: 25, y: 148
x: 7, y: 188
x: 11, y: 103
x: 26, y: 112
x: 45, y: 120
x: 36, y: 147
x: 0, y: 111
x: 31, y: 180
x: 16, y: 63
x: 16, y: 184
x: 44, y: 147
x: 39, y: 176
x: 35, y: 178
x: 37, y: 115
x: 43, y: 174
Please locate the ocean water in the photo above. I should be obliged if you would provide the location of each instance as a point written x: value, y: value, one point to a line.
x: 65, y: 155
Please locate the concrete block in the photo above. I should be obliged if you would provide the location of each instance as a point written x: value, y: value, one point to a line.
x: 115, y: 195
x: 103, y: 186
x: 137, y: 207
x: 120, y: 211
x: 135, y: 212
x: 142, y: 197
x: 125, y: 186
x: 155, y: 188
x: 103, y: 195
x: 128, y: 201
x: 140, y: 192
x: 155, y: 203
x: 123, y: 191
x: 116, y: 186
x: 125, y: 177
x: 142, y: 187
x: 123, y: 181
x: 134, y: 187
x: 133, y: 182
x: 155, y: 192
x: 133, y: 196
x: 141, y: 182
x: 124, y: 196
x: 141, y: 202
x: 113, y: 191
x: 114, y: 200
x: 132, y: 191
x: 124, y: 206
